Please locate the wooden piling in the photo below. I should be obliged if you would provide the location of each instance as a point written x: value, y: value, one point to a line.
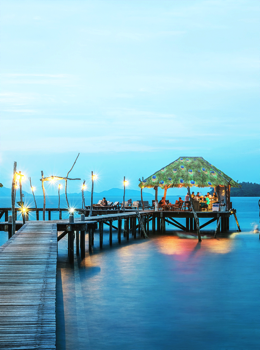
x: 153, y: 224
x: 110, y: 232
x: 101, y: 228
x: 82, y: 244
x: 14, y: 213
x: 187, y: 224
x: 127, y: 229
x: 119, y: 227
x: 134, y: 227
x: 77, y: 242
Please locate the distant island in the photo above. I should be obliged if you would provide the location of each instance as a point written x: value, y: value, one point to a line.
x: 248, y: 189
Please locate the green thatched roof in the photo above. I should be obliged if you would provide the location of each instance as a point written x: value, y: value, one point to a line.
x: 188, y: 172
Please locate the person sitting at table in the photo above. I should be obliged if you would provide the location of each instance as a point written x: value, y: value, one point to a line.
x: 162, y: 202
x: 209, y: 195
x: 192, y: 195
x: 203, y: 203
x: 215, y: 197
x: 207, y: 199
x: 197, y: 197
x: 103, y: 202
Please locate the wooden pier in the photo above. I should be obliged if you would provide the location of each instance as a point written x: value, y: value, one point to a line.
x: 28, y: 267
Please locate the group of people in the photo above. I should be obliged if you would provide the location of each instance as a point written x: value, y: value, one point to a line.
x: 204, y: 201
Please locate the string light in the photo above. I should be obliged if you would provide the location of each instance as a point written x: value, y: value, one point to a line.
x: 71, y: 210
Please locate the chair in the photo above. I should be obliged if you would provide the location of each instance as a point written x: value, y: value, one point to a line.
x: 187, y: 205
x: 98, y: 203
x: 135, y: 204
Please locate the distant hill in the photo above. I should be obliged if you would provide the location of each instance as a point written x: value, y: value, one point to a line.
x: 113, y: 192
x: 248, y: 189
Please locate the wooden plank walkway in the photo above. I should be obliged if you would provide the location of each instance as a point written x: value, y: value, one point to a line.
x: 28, y: 267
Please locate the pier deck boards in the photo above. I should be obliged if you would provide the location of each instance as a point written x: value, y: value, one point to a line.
x: 28, y: 266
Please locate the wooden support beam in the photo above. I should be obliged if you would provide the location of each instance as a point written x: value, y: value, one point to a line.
x: 147, y: 226
x: 63, y: 234
x: 49, y: 215
x: 119, y: 228
x: 71, y: 246
x: 162, y: 219
x: 158, y: 224
x: 176, y: 225
x: 90, y: 240
x: 192, y: 222
x: 208, y: 222
x: 37, y: 214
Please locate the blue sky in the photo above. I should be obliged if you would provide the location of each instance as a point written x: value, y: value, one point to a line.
x: 131, y: 85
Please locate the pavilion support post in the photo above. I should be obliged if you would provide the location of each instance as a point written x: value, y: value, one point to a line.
x: 13, y: 199
x: 195, y: 217
x: 142, y: 198
x: 156, y: 193
x: 119, y: 228
x: 165, y: 192
x: 101, y: 228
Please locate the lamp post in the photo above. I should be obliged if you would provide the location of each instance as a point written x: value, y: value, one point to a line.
x: 92, y: 191
x: 83, y: 188
x: 125, y: 183
x: 59, y: 188
x: 20, y: 175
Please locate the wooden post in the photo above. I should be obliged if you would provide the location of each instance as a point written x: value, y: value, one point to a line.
x: 142, y: 199
x: 110, y: 232
x: 90, y: 239
x: 71, y: 240
x: 147, y: 226
x: 77, y: 242
x: 49, y: 215
x: 153, y: 223
x: 82, y: 192
x: 119, y: 227
x: 66, y: 181
x: 101, y: 229
x: 82, y: 239
x: 195, y: 217
x: 187, y: 225
x: 9, y: 227
x: 191, y: 224
x: 165, y: 191
x: 44, y: 198
x: 158, y: 224
x: 156, y: 193
x: 59, y: 187
x: 21, y: 197
x: 134, y: 227
x: 37, y: 214
x: 162, y: 223
x: 92, y: 191
x: 13, y: 199
x: 127, y: 229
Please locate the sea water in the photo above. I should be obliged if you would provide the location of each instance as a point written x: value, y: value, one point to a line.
x: 164, y: 292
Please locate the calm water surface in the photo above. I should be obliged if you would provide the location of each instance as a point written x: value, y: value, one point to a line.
x: 164, y: 292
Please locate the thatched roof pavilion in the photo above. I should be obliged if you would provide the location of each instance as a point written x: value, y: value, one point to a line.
x: 188, y: 172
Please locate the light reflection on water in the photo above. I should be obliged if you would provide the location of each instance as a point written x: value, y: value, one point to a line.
x: 162, y: 293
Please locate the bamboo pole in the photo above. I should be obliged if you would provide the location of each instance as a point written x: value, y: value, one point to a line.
x: 33, y: 193
x: 13, y: 194
x: 44, y: 198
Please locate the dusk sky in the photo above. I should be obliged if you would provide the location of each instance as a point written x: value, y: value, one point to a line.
x: 131, y: 85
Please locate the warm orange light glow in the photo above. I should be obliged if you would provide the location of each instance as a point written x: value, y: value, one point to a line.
x: 53, y: 179
x: 83, y: 187
x: 71, y: 210
x: 59, y: 186
x: 125, y: 183
x: 33, y: 188
x: 16, y: 187
x: 94, y: 176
